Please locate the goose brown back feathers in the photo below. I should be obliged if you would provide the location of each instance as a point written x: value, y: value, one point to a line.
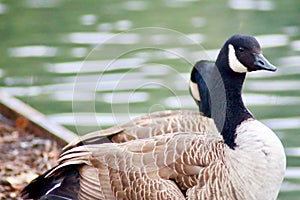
x: 145, y: 168
x: 147, y: 126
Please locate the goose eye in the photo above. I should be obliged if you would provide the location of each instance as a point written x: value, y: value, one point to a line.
x: 241, y: 49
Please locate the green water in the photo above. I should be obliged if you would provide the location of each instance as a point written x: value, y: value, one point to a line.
x: 49, y: 49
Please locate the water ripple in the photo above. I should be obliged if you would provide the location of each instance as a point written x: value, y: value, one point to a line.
x: 99, y: 38
x: 285, y: 85
x: 125, y: 97
x: 293, y: 151
x: 283, y: 123
x: 32, y: 51
x: 92, y: 119
x: 264, y: 5
x: 88, y: 19
x: 290, y: 61
x: 272, y: 40
x: 288, y: 186
x: 260, y: 99
x: 94, y: 65
x: 292, y: 172
x: 3, y: 8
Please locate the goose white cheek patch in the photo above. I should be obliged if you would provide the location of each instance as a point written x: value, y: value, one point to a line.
x: 195, y: 90
x: 234, y: 63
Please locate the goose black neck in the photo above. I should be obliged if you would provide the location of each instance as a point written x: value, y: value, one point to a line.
x: 225, y: 103
x: 236, y: 112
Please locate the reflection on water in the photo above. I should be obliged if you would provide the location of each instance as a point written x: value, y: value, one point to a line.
x: 274, y: 40
x: 291, y: 61
x: 79, y: 52
x: 292, y: 85
x: 288, y: 186
x: 96, y: 119
x: 293, y: 151
x: 94, y: 65
x: 98, y: 38
x: 283, y: 123
x: 121, y: 25
x: 178, y: 102
x: 42, y: 3
x: 1, y: 73
x: 125, y: 97
x: 288, y: 68
x: 3, y: 8
x: 88, y: 19
x: 135, y: 5
x: 295, y: 45
x: 32, y: 51
x: 198, y: 22
x: 260, y: 99
x: 178, y: 3
x: 293, y: 173
x: 79, y: 55
x: 251, y: 5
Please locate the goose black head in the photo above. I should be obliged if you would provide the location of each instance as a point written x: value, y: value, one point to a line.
x: 243, y: 54
x: 239, y: 54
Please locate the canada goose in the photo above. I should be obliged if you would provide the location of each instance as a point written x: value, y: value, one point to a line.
x: 239, y: 158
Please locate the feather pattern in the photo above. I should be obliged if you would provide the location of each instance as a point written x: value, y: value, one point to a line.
x: 144, y: 168
x: 147, y: 126
x: 162, y: 167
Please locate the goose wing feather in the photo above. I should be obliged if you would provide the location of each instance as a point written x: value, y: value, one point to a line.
x: 147, y: 126
x: 153, y: 168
